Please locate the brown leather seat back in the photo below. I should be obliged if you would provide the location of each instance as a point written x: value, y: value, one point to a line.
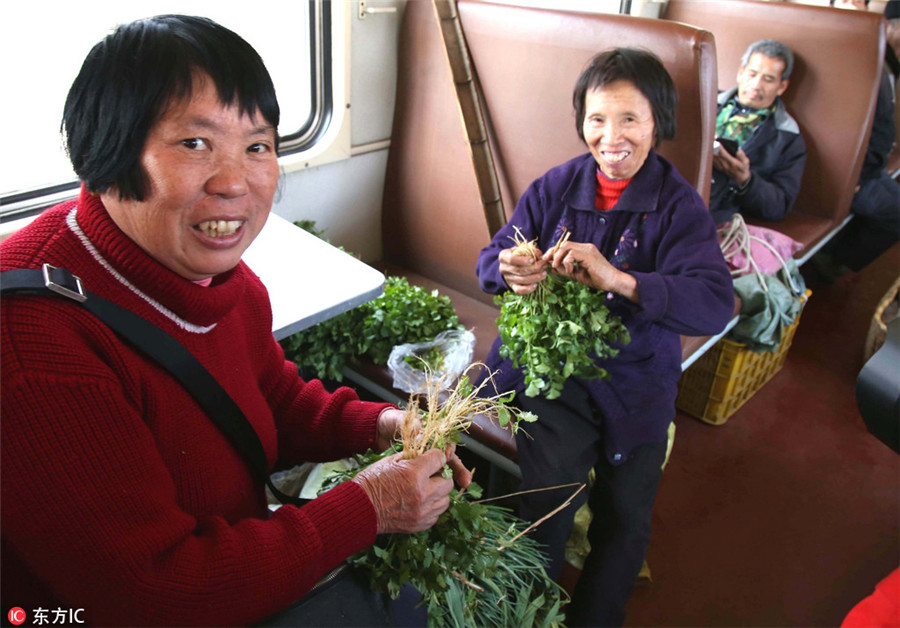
x: 838, y: 58
x: 432, y: 220
x: 528, y: 60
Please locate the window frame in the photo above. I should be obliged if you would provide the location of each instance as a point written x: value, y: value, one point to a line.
x: 23, y: 205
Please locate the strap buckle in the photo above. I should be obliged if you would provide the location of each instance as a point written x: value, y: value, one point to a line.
x: 64, y: 283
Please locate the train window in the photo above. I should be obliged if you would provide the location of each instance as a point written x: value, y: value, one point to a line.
x: 43, y: 48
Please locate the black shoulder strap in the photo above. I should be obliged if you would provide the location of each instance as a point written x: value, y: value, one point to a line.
x: 163, y: 348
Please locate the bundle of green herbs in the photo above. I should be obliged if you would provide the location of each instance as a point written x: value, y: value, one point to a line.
x: 476, y: 566
x: 403, y: 314
x: 558, y: 331
x: 427, y: 359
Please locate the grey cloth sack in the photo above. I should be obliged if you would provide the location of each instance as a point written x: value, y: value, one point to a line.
x: 766, y: 311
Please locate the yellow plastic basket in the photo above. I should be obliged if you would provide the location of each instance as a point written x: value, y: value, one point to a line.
x: 726, y: 376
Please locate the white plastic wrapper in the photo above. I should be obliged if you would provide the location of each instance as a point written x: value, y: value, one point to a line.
x: 455, y: 348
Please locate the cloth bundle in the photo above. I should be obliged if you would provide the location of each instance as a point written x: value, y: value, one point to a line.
x: 748, y: 248
x: 767, y: 279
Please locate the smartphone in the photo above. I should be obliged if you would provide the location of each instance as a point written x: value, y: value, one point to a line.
x: 728, y: 144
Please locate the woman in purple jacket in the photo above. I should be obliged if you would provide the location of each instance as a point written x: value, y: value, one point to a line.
x: 641, y: 233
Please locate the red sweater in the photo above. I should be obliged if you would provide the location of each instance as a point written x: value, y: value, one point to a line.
x: 609, y: 191
x: 881, y: 609
x: 119, y: 496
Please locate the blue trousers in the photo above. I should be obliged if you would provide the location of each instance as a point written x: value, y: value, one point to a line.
x: 562, y: 447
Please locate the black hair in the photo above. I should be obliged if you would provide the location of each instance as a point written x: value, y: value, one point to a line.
x: 129, y: 79
x: 641, y: 68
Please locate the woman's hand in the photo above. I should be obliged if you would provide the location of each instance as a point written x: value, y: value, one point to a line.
x: 521, y: 272
x: 390, y: 422
x: 387, y: 430
x: 408, y: 495
x: 583, y: 262
x: 461, y: 475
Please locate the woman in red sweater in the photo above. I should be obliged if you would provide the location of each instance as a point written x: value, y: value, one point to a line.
x: 119, y: 495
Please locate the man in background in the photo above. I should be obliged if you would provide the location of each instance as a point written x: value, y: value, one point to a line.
x: 762, y: 178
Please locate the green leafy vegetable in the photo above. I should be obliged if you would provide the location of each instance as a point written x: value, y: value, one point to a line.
x: 558, y: 331
x: 472, y: 567
x: 403, y: 314
x: 476, y: 566
x: 432, y: 358
x: 310, y: 226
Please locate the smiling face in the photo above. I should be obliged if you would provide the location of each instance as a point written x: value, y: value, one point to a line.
x: 212, y: 174
x: 759, y: 82
x: 618, y: 128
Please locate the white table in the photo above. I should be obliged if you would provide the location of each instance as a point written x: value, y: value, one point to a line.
x: 308, y: 279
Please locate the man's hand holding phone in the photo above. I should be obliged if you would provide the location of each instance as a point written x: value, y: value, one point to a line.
x: 733, y: 163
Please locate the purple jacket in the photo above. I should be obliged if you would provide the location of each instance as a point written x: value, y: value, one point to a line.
x: 661, y: 232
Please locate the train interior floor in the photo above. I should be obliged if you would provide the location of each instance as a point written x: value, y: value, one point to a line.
x: 788, y: 514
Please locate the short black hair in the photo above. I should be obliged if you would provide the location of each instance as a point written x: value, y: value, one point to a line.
x: 129, y: 79
x: 641, y: 68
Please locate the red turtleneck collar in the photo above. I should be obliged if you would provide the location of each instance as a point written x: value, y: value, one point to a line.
x: 609, y: 191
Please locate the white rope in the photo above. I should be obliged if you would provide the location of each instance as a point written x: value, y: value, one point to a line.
x: 735, y: 237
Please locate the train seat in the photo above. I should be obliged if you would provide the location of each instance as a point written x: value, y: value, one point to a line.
x: 527, y: 61
x: 838, y: 60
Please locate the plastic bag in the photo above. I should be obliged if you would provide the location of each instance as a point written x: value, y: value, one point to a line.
x: 447, y: 356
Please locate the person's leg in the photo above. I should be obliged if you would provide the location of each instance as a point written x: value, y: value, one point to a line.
x: 876, y: 225
x: 622, y: 503
x: 560, y: 448
x: 346, y: 600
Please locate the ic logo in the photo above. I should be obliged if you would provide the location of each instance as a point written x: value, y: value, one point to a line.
x: 16, y: 616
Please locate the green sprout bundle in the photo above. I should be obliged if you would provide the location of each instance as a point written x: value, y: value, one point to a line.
x: 476, y: 567
x: 558, y: 331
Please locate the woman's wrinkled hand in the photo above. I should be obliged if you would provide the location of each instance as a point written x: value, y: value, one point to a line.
x: 390, y: 423
x: 408, y: 495
x: 387, y: 430
x: 521, y: 272
x: 583, y: 262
